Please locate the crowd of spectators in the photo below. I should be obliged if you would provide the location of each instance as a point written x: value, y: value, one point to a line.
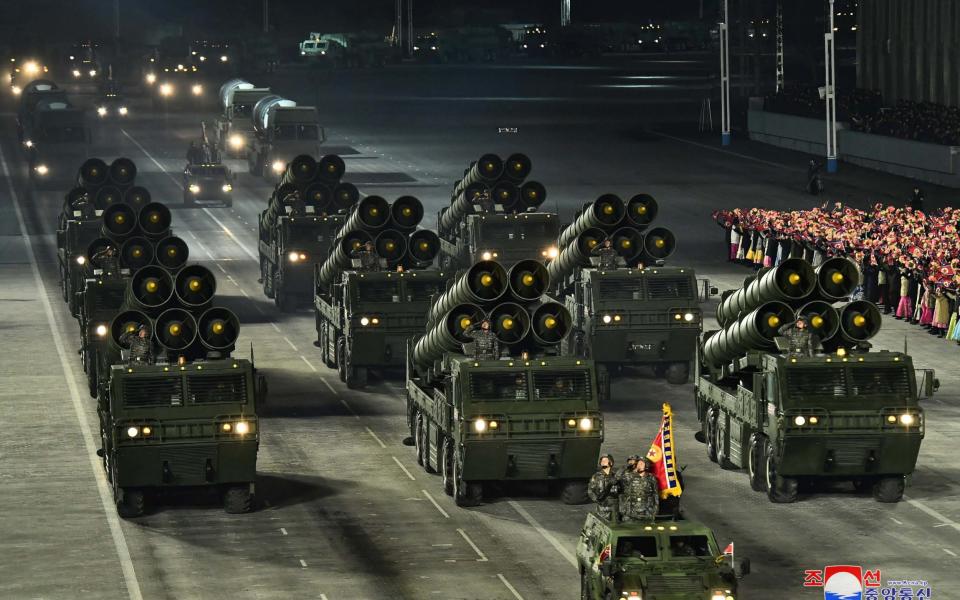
x: 909, y: 260
x: 863, y: 110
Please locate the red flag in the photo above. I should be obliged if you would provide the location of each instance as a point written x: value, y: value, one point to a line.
x: 605, y: 554
x: 728, y: 549
x: 663, y: 455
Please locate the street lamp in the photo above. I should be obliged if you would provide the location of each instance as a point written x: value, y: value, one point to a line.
x: 830, y: 93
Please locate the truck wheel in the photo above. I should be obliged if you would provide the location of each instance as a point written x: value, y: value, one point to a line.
x: 92, y: 374
x: 131, y: 503
x: 659, y: 371
x: 678, y: 373
x: 446, y: 465
x: 342, y: 359
x: 238, y: 499
x: 780, y: 490
x: 283, y: 301
x: 709, y: 431
x: 723, y: 452
x: 465, y: 493
x: 574, y: 492
x: 889, y: 489
x: 423, y: 447
x: 356, y: 377
x: 756, y: 461
x: 418, y: 438
x: 267, y: 274
x: 63, y: 283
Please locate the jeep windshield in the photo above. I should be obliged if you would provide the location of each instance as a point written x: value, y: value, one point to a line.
x: 637, y: 546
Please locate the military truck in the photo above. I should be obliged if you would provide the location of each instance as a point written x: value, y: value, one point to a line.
x: 189, y: 417
x: 785, y: 413
x: 629, y: 310
x: 364, y: 317
x: 234, y: 127
x: 662, y: 560
x: 523, y: 413
x: 281, y: 131
x: 299, y: 226
x: 54, y: 133
x: 506, y: 228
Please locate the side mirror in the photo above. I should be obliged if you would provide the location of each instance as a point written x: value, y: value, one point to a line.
x: 714, y: 291
x: 742, y: 568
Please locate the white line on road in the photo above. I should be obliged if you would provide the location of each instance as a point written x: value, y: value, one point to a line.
x: 232, y: 280
x: 403, y: 468
x: 274, y: 325
x: 244, y: 292
x: 350, y: 408
x: 374, y: 436
x: 483, y: 557
x: 323, y: 597
x: 546, y: 534
x: 330, y: 387
x: 286, y: 339
x: 303, y: 563
x: 219, y: 266
x: 932, y: 513
x: 312, y: 368
x: 434, y: 503
x: 106, y: 499
x: 283, y: 530
x: 898, y: 522
x: 950, y: 552
x: 512, y: 589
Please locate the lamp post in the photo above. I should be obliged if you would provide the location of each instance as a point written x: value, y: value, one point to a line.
x: 725, y: 75
x: 830, y: 93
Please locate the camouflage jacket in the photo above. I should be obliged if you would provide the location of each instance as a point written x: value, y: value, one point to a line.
x: 639, y: 497
x: 609, y: 259
x: 141, y: 349
x: 485, y: 344
x: 800, y: 341
x: 109, y: 263
x: 369, y: 261
x: 603, y: 490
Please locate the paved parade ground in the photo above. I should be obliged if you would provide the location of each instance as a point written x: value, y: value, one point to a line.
x: 346, y: 512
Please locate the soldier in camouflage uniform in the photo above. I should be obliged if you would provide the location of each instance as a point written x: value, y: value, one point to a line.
x: 369, y: 261
x: 485, y: 343
x: 640, y: 495
x: 140, y: 345
x: 630, y: 466
x: 609, y: 259
x: 107, y: 260
x: 799, y: 338
x: 603, y: 488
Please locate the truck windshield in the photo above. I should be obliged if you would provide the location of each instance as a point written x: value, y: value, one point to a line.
x: 421, y: 291
x: 64, y: 134
x: 378, y: 291
x: 689, y: 545
x: 847, y: 382
x: 637, y: 546
x: 560, y: 385
x: 498, y: 386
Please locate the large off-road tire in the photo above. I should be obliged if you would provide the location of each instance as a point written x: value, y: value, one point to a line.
x: 465, y: 493
x: 131, y: 504
x: 723, y: 452
x: 709, y: 432
x: 267, y: 274
x: 92, y: 375
x: 756, y: 462
x: 678, y: 373
x: 889, y: 489
x: 341, y: 358
x: 780, y: 490
x: 418, y: 437
x: 424, y: 447
x: 446, y: 465
x: 574, y: 491
x: 238, y: 499
x: 356, y: 377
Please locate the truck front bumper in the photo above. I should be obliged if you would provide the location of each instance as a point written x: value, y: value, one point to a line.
x: 893, y: 453
x: 193, y: 464
x: 530, y: 459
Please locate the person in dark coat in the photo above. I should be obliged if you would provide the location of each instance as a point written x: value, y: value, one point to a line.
x: 916, y: 200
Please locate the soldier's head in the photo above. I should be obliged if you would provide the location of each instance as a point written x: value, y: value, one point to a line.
x: 399, y: 268
x: 485, y: 325
x: 143, y: 332
x: 632, y: 460
x: 606, y: 462
x: 644, y: 465
x: 607, y: 244
x: 801, y: 323
x: 368, y: 246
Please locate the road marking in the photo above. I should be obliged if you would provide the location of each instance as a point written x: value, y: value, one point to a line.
x: 106, y: 496
x: 546, y: 534
x: 219, y: 266
x: 932, y: 513
x: 434, y: 502
x: 330, y: 387
x: 482, y: 556
x: 303, y: 563
x: 286, y: 339
x: 722, y: 151
x: 274, y: 325
x: 374, y: 436
x: 244, y: 292
x: 283, y: 530
x: 950, y: 552
x: 896, y: 521
x: 350, y: 408
x: 232, y: 280
x: 512, y: 589
x: 323, y: 597
x: 313, y: 368
x: 403, y: 468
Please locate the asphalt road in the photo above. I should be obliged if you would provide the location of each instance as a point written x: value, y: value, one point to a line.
x: 346, y: 513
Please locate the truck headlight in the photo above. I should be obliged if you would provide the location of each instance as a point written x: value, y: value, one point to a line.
x: 297, y: 256
x: 551, y: 252
x: 194, y: 188
x: 122, y: 110
x: 151, y: 78
x: 196, y: 89
x: 236, y: 141
x: 242, y: 427
x: 81, y: 260
x: 688, y: 317
x: 31, y: 68
x: 489, y: 254
x: 93, y: 72
x: 42, y: 169
x: 227, y: 188
x: 278, y: 166
x: 586, y: 424
x: 76, y: 72
x: 28, y: 143
x: 166, y: 89
x: 364, y: 321
x: 799, y: 420
x: 907, y: 419
x: 102, y: 111
x: 224, y: 58
x: 16, y: 90
x: 480, y: 425
x: 101, y: 330
x: 607, y: 319
x: 133, y: 432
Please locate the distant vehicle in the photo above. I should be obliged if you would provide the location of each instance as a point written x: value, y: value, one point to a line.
x: 665, y: 558
x: 353, y: 50
x: 208, y: 184
x: 112, y: 104
x: 23, y: 71
x: 282, y: 130
x: 83, y: 62
x: 54, y: 134
x: 315, y: 46
x: 234, y: 132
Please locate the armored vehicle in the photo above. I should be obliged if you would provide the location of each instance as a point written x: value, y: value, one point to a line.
x: 234, y: 127
x: 628, y: 309
x: 493, y: 215
x: 299, y: 226
x: 281, y: 131
x: 512, y: 410
x: 661, y: 560
x: 54, y: 133
x: 207, y: 184
x: 815, y: 406
x: 365, y: 315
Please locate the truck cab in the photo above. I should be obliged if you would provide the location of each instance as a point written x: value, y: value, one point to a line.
x: 292, y: 131
x: 505, y: 238
x: 659, y: 560
x: 289, y: 252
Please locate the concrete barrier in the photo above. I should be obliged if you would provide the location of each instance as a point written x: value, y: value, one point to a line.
x: 932, y: 163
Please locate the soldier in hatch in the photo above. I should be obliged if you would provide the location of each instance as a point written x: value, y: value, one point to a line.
x: 609, y: 259
x: 367, y: 255
x: 799, y: 337
x: 140, y: 345
x: 603, y: 488
x: 640, y: 495
x: 485, y: 344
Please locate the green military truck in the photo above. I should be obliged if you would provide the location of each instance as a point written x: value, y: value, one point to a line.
x: 631, y: 311
x: 523, y: 414
x: 661, y: 560
x: 166, y: 426
x: 493, y: 215
x: 299, y: 226
x: 365, y: 314
x: 840, y: 412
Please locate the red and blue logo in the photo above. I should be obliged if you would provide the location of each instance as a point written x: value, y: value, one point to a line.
x: 843, y: 582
